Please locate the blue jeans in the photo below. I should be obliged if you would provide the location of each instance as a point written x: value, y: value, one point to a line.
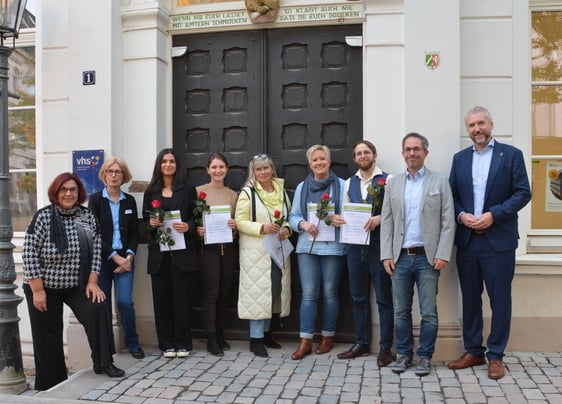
x: 412, y: 269
x: 259, y: 327
x: 319, y: 272
x: 364, y: 267
x: 124, y: 294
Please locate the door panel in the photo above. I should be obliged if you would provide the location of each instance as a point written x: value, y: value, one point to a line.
x: 314, y: 97
x: 273, y: 91
x: 218, y: 101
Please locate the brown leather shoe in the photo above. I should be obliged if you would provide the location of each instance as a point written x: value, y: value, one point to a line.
x: 495, y: 369
x: 325, y: 346
x: 355, y: 351
x: 465, y: 361
x: 305, y: 348
x: 385, y: 357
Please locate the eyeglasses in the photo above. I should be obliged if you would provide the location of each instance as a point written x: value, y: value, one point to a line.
x: 64, y: 190
x: 407, y: 150
x: 260, y: 157
x: 117, y: 173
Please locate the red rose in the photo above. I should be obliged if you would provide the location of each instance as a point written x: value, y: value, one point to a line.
x: 382, y: 182
x: 202, y: 195
x: 277, y: 214
x: 155, y: 204
x: 325, y: 197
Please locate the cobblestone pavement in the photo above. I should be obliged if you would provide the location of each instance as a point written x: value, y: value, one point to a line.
x: 240, y: 377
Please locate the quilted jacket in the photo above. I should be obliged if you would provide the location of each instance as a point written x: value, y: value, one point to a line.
x: 254, y: 296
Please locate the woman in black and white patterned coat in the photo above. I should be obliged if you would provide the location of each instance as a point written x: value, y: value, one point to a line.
x: 61, y: 264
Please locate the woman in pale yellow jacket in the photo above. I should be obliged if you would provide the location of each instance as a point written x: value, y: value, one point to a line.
x: 265, y: 288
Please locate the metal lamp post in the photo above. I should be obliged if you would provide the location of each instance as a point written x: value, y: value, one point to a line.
x: 12, y: 378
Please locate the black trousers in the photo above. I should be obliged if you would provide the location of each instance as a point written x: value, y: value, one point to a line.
x: 47, y: 329
x: 217, y: 268
x: 171, y: 296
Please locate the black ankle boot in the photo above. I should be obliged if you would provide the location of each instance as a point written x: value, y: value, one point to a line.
x: 269, y: 341
x: 222, y: 342
x: 213, y: 346
x: 257, y: 346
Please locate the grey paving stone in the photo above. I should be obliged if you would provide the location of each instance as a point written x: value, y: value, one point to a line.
x: 331, y: 399
x: 158, y: 401
x: 108, y: 397
x: 516, y: 399
x: 493, y: 391
x: 213, y: 391
x: 273, y: 390
x: 433, y: 397
x: 554, y: 398
x: 265, y: 399
x: 390, y: 397
x: 250, y: 392
x: 130, y: 400
x: 335, y: 381
x: 452, y: 392
x: 498, y: 400
x: 92, y: 395
x: 475, y: 398
x: 290, y: 393
x: 533, y: 394
x: 526, y: 383
x: 305, y: 400
x: 433, y: 386
x: 163, y: 382
x: 407, y: 392
x: 226, y: 397
x: 311, y: 391
x: 152, y: 392
x: 189, y: 395
x: 134, y: 392
x: 244, y: 400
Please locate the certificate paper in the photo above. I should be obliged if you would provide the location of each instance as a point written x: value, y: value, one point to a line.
x: 173, y: 216
x: 216, y: 225
x: 355, y: 216
x: 280, y: 250
x: 325, y: 232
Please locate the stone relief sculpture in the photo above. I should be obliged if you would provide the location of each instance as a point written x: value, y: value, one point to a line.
x: 261, y: 11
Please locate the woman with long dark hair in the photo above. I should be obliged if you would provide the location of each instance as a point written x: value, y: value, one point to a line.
x: 172, y: 271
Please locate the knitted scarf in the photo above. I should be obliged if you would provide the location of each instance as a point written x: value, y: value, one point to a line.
x: 312, y: 191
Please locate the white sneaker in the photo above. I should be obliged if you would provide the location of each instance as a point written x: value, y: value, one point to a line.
x: 182, y: 353
x: 169, y: 353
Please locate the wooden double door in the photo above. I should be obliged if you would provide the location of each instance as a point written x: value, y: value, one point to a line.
x: 268, y: 91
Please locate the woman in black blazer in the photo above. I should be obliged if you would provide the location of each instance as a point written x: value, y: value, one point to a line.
x: 173, y: 273
x: 116, y: 212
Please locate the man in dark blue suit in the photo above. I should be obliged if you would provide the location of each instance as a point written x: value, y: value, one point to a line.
x: 490, y: 185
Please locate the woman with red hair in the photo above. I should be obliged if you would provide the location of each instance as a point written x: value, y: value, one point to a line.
x: 61, y: 265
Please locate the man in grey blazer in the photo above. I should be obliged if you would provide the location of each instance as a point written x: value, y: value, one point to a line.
x: 417, y: 234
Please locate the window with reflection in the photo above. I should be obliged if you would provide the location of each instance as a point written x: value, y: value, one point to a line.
x: 546, y: 63
x: 21, y: 120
